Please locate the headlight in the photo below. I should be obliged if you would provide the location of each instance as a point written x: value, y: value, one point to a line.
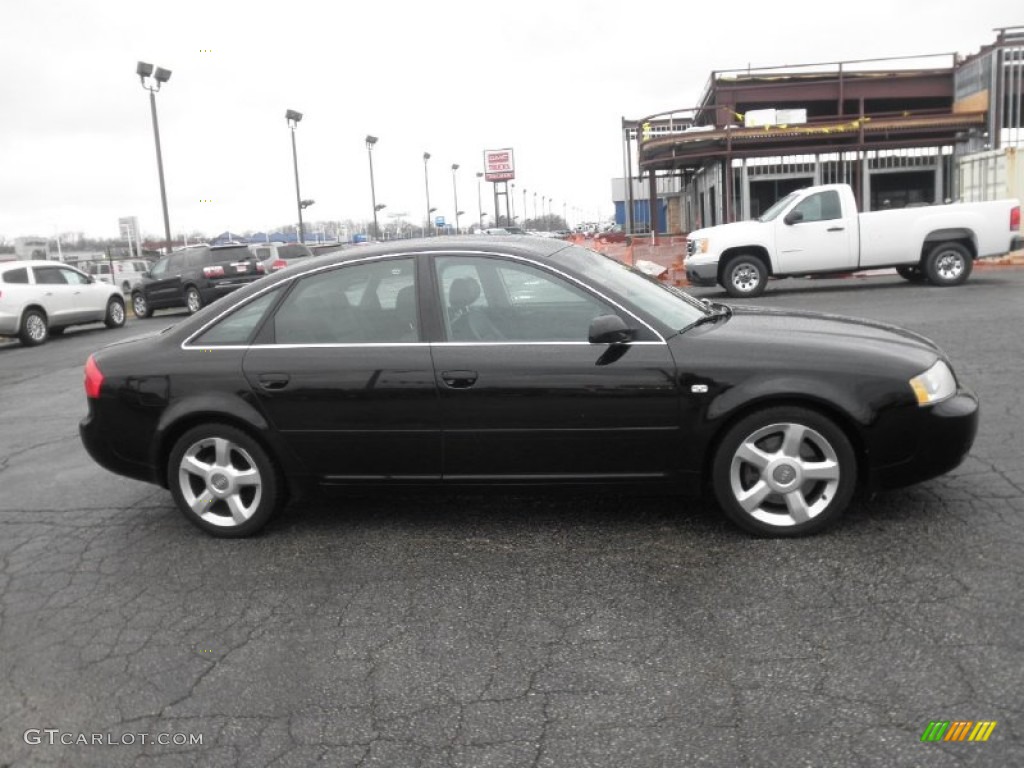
x: 934, y: 385
x: 700, y: 245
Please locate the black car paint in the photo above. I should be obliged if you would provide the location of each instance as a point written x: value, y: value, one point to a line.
x: 596, y: 413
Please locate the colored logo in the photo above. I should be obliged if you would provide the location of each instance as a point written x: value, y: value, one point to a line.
x: 958, y: 730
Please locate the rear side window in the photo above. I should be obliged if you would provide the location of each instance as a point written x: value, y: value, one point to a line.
x: 228, y: 255
x: 237, y: 328
x: 16, y: 275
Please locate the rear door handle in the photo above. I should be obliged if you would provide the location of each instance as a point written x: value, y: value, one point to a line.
x: 459, y: 379
x: 836, y: 229
x: 273, y: 381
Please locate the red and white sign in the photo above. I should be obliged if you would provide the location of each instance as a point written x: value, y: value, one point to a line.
x: 499, y: 165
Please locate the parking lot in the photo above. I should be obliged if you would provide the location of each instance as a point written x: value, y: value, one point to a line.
x: 516, y: 630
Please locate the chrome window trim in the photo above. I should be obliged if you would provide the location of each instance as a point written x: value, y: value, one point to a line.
x: 186, y: 344
x: 389, y: 344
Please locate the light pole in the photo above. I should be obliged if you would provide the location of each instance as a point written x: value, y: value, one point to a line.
x: 293, y: 118
x: 479, y: 204
x: 535, y: 208
x: 524, y: 205
x: 543, y: 210
x: 370, y: 141
x: 161, y: 76
x: 426, y: 184
x: 511, y: 207
x: 455, y: 193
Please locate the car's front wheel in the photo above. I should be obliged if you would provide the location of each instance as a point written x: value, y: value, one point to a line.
x: 114, y: 317
x: 34, y: 328
x: 784, y: 471
x: 948, y: 264
x: 193, y: 300
x: 140, y: 306
x: 744, y: 276
x: 223, y: 481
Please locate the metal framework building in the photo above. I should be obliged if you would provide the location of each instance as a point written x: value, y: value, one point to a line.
x: 900, y: 131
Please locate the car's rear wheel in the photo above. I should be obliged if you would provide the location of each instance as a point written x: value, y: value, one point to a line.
x: 223, y: 481
x: 140, y: 306
x: 948, y: 264
x: 193, y: 300
x: 784, y: 471
x: 34, y: 328
x: 912, y: 274
x: 744, y: 276
x: 115, y: 314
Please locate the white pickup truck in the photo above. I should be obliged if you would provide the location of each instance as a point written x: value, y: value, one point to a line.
x: 817, y: 230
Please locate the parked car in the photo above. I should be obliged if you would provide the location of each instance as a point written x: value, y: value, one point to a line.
x: 193, y: 277
x: 39, y: 299
x: 478, y: 360
x: 126, y: 273
x: 613, y: 234
x: 817, y: 230
x: 275, y: 256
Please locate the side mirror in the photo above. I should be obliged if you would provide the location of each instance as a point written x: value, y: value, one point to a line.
x: 794, y: 217
x: 609, y: 329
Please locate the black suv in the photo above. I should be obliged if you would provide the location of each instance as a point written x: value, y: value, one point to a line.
x: 194, y: 276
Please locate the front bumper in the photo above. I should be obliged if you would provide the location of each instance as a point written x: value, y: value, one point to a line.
x: 946, y: 432
x: 701, y: 274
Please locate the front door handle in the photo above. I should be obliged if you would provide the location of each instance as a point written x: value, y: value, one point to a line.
x: 836, y: 229
x: 274, y: 381
x: 459, y: 379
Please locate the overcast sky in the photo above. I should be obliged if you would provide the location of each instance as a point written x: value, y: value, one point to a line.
x: 550, y: 79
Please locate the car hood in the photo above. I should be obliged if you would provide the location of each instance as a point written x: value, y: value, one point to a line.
x: 753, y: 230
x: 818, y: 340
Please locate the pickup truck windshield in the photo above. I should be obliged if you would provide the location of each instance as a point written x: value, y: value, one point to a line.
x: 776, y: 209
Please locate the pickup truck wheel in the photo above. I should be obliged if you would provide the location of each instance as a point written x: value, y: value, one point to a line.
x: 911, y: 274
x: 948, y: 264
x: 784, y: 471
x: 744, y: 276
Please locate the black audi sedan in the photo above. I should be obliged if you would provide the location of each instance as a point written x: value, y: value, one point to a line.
x: 519, y: 361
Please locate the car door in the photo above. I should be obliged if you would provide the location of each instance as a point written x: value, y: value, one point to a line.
x: 820, y: 241
x: 526, y: 398
x: 341, y: 372
x: 88, y: 301
x: 54, y: 293
x: 164, y: 289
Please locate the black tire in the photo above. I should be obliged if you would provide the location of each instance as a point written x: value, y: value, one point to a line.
x: 193, y: 301
x: 114, y: 317
x: 214, y: 499
x: 759, y: 467
x: 744, y: 276
x: 35, y: 329
x: 911, y: 274
x: 948, y: 264
x: 140, y: 306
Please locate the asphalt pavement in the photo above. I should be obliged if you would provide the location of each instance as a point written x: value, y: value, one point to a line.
x: 516, y: 630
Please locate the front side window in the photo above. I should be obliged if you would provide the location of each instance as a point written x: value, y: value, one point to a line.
x: 365, y: 303
x: 821, y: 206
x: 74, y: 277
x: 237, y: 328
x: 489, y: 299
x: 160, y: 268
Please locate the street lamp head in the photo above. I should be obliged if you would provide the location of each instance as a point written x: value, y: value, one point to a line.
x: 142, y: 69
x: 479, y: 174
x: 162, y: 75
x: 380, y: 207
x: 292, y: 116
x: 426, y: 156
x: 455, y: 166
x: 431, y: 210
x: 370, y: 141
x: 306, y: 203
x: 460, y: 213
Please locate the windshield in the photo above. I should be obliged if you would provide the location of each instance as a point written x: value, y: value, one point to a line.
x: 776, y: 209
x: 670, y: 306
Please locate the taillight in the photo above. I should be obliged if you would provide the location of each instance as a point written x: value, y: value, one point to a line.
x: 1015, y: 218
x: 278, y: 264
x: 213, y: 271
x: 93, y: 379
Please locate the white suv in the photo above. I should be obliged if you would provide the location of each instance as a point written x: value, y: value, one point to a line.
x: 127, y: 272
x: 39, y: 299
